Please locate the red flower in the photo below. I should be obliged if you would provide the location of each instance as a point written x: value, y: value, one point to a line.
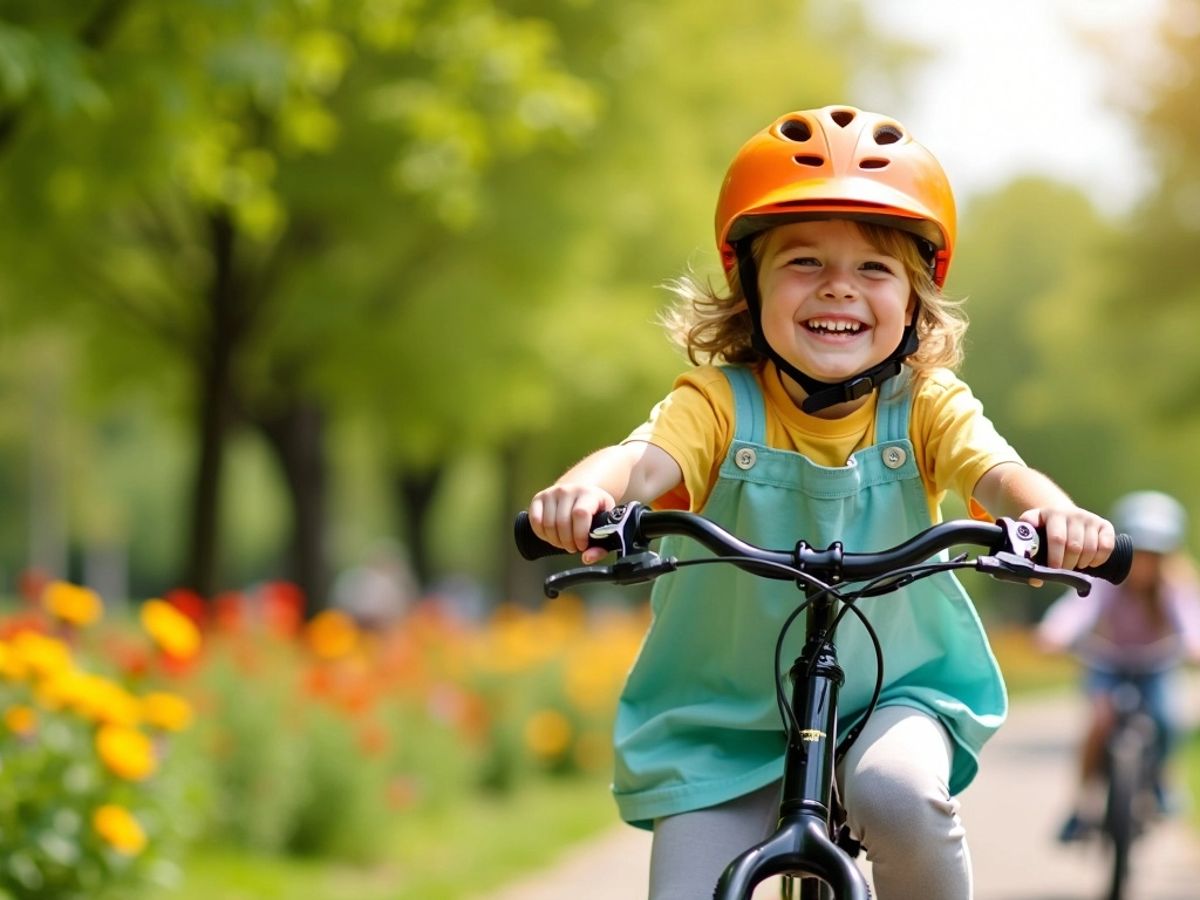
x: 282, y: 607
x: 189, y: 603
x: 229, y: 612
x: 31, y: 582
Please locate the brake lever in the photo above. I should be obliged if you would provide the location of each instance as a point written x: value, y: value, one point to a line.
x: 633, y: 569
x: 1004, y: 566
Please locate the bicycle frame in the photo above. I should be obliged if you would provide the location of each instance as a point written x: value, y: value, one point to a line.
x: 803, y: 843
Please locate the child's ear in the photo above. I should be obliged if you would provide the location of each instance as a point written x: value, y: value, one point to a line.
x: 914, y: 304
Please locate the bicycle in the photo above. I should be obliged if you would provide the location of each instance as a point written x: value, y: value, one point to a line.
x: 1131, y: 757
x: 809, y: 845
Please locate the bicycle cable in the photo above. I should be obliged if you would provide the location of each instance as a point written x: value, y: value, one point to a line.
x: 787, y: 715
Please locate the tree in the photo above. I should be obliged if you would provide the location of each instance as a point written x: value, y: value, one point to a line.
x: 227, y: 145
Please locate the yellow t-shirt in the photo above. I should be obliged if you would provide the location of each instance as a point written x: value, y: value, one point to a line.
x: 954, y: 442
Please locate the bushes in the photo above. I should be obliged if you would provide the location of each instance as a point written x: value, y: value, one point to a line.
x: 308, y: 739
x: 92, y: 771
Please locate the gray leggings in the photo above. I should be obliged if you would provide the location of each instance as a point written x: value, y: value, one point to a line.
x: 893, y: 784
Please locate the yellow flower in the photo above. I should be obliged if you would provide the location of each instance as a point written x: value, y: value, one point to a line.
x: 126, y: 751
x: 332, y: 634
x: 547, y: 734
x: 12, y: 666
x: 174, y: 633
x: 170, y: 712
x: 42, y: 655
x: 20, y: 720
x: 100, y: 700
x: 117, y: 826
x: 72, y: 603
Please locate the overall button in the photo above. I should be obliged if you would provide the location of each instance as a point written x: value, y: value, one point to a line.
x: 894, y: 457
x: 745, y: 458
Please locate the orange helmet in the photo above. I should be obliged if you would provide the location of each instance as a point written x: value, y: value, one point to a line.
x: 836, y: 160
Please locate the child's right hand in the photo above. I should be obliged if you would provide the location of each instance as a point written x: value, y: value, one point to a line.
x: 562, y: 515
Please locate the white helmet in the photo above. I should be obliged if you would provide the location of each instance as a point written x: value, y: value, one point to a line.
x: 1156, y: 522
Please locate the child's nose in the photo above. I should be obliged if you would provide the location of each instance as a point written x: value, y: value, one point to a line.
x: 838, y: 284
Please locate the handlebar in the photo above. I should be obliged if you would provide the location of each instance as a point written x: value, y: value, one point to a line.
x: 1016, y: 550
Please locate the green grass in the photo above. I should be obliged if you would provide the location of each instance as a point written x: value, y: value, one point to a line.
x: 460, y: 852
x: 1188, y: 763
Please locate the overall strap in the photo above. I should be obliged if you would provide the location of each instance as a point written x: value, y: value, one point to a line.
x: 749, y: 411
x: 895, y: 405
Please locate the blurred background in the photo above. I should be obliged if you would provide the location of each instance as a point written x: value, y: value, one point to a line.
x: 301, y: 300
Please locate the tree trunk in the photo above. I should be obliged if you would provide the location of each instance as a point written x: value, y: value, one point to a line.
x: 297, y: 436
x: 520, y: 580
x: 215, y: 405
x: 415, y: 492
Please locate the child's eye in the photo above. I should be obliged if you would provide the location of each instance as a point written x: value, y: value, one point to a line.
x: 876, y: 266
x: 804, y: 261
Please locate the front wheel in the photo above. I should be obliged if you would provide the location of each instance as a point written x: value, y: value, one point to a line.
x: 1121, y: 816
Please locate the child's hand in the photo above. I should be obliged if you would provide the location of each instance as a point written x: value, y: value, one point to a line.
x: 562, y: 515
x: 1075, y: 538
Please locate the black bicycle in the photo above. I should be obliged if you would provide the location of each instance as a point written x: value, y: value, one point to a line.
x: 808, y: 844
x: 1132, y: 761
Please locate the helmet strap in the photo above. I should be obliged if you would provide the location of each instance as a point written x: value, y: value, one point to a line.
x: 821, y: 394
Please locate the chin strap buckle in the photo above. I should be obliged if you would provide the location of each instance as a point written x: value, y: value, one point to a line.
x: 859, y: 387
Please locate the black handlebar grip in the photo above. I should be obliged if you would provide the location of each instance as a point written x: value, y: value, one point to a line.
x: 532, y: 547
x: 1114, y: 569
x: 529, y: 545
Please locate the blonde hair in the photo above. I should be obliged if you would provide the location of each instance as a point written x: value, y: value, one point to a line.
x: 713, y: 325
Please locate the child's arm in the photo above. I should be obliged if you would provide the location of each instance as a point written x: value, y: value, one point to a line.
x: 562, y: 513
x: 1075, y: 537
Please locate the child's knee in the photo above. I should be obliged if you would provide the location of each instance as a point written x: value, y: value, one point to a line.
x: 899, y: 804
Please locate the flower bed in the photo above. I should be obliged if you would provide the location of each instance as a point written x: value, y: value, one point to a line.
x: 237, y: 723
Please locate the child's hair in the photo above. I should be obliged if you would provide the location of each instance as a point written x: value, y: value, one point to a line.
x: 713, y: 324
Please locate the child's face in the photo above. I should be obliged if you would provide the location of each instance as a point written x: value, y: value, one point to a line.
x: 832, y: 304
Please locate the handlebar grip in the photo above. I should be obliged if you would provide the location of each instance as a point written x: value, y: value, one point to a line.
x: 532, y: 547
x: 529, y: 545
x: 1114, y: 569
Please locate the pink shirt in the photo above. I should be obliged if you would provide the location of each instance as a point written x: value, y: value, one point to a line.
x: 1110, y: 628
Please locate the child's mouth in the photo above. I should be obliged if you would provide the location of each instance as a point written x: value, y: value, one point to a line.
x: 834, y: 326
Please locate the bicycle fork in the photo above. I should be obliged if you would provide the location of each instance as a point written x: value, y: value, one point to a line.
x: 802, y: 844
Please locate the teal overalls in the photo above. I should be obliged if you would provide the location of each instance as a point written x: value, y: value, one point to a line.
x: 698, y: 722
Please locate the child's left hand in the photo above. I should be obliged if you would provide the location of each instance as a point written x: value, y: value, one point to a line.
x: 1075, y: 538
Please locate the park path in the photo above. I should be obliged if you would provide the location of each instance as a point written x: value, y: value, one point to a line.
x: 1012, y: 812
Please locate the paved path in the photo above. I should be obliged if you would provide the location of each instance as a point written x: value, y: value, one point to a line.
x: 1011, y: 811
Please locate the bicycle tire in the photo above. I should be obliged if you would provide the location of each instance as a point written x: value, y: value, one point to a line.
x: 1120, y: 820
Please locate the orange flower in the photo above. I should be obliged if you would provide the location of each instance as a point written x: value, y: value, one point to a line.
x: 170, y: 712
x: 72, y: 603
x: 20, y: 720
x: 174, y: 633
x: 547, y: 734
x: 126, y: 752
x: 120, y: 830
x: 332, y: 634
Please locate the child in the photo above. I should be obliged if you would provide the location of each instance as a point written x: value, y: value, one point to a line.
x: 1141, y: 632
x: 822, y: 407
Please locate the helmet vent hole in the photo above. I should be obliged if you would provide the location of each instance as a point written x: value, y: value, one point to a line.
x: 805, y: 160
x: 842, y: 116
x: 887, y: 134
x: 796, y: 130
x: 873, y: 163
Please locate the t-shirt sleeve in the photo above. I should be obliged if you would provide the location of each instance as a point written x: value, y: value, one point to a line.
x: 693, y: 424
x: 959, y: 443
